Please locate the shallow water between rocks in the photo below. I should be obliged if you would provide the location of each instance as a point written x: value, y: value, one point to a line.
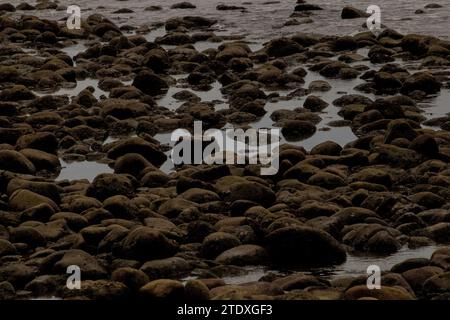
x: 355, y: 265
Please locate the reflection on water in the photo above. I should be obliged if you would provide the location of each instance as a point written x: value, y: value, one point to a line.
x: 356, y: 265
x: 80, y: 86
x: 82, y: 170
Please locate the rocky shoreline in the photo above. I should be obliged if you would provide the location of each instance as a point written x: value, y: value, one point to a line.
x: 144, y: 232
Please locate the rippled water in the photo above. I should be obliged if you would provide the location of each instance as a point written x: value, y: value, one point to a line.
x: 356, y: 265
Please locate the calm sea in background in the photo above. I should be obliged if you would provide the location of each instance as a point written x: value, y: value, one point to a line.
x: 264, y: 19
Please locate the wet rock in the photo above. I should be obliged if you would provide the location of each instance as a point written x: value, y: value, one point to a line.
x: 437, y: 284
x: 7, y: 291
x: 331, y: 69
x: 174, y: 38
x: 16, y: 93
x: 232, y: 50
x: 307, y: 7
x: 415, y: 44
x: 295, y: 130
x: 441, y: 258
x: 124, y: 109
x: 399, y: 129
x: 244, y: 255
x: 45, y: 285
x: 17, y: 274
x: 153, y: 8
x: 196, y: 290
x: 349, y: 12
x: 417, y: 277
x: 123, y: 10
x: 224, y: 7
x: 27, y: 235
x: 46, y: 189
x: 413, y: 263
x: 319, y: 85
x: 25, y: 6
x: 422, y: 81
x: 107, y: 185
x: 385, y: 293
x: 312, y: 209
x: 326, y: 180
x: 189, y: 22
x: 380, y: 54
x: 150, y: 83
x: 373, y: 175
x: 396, y: 156
x: 433, y: 6
x: 145, y: 244
x: 371, y: 238
x: 199, y: 195
x: 315, y: 104
x: 173, y: 207
x: 8, y: 108
x: 90, y: 267
x: 163, y: 289
x: 217, y: 242
x: 299, y: 281
x: 438, y: 232
x: 139, y: 146
x: 252, y: 191
x: 42, y: 160
x: 80, y: 204
x: 283, y: 47
x: 132, y: 278
x: 168, y: 268
x: 344, y: 43
x: 24, y: 199
x: 183, y: 5
x: 7, y: 7
x: 386, y: 82
x: 327, y: 148
x: 428, y: 200
x: 132, y: 163
x: 100, y: 290
x: 6, y: 248
x: 44, y: 141
x: 15, y: 162
x: 154, y: 179
x: 311, y: 246
x: 352, y: 99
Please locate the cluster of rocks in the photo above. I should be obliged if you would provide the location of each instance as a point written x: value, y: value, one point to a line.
x: 138, y: 231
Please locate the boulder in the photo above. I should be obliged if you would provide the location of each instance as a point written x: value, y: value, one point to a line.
x: 107, y: 185
x: 385, y: 293
x: 217, y: 242
x: 169, y: 268
x: 150, y: 83
x: 423, y: 81
x: 295, y: 130
x: 42, y: 160
x: 349, y: 12
x: 15, y: 162
x: 252, y: 191
x: 303, y: 245
x: 23, y: 199
x: 244, y: 255
x: 89, y: 265
x: 144, y: 243
x: 163, y: 289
